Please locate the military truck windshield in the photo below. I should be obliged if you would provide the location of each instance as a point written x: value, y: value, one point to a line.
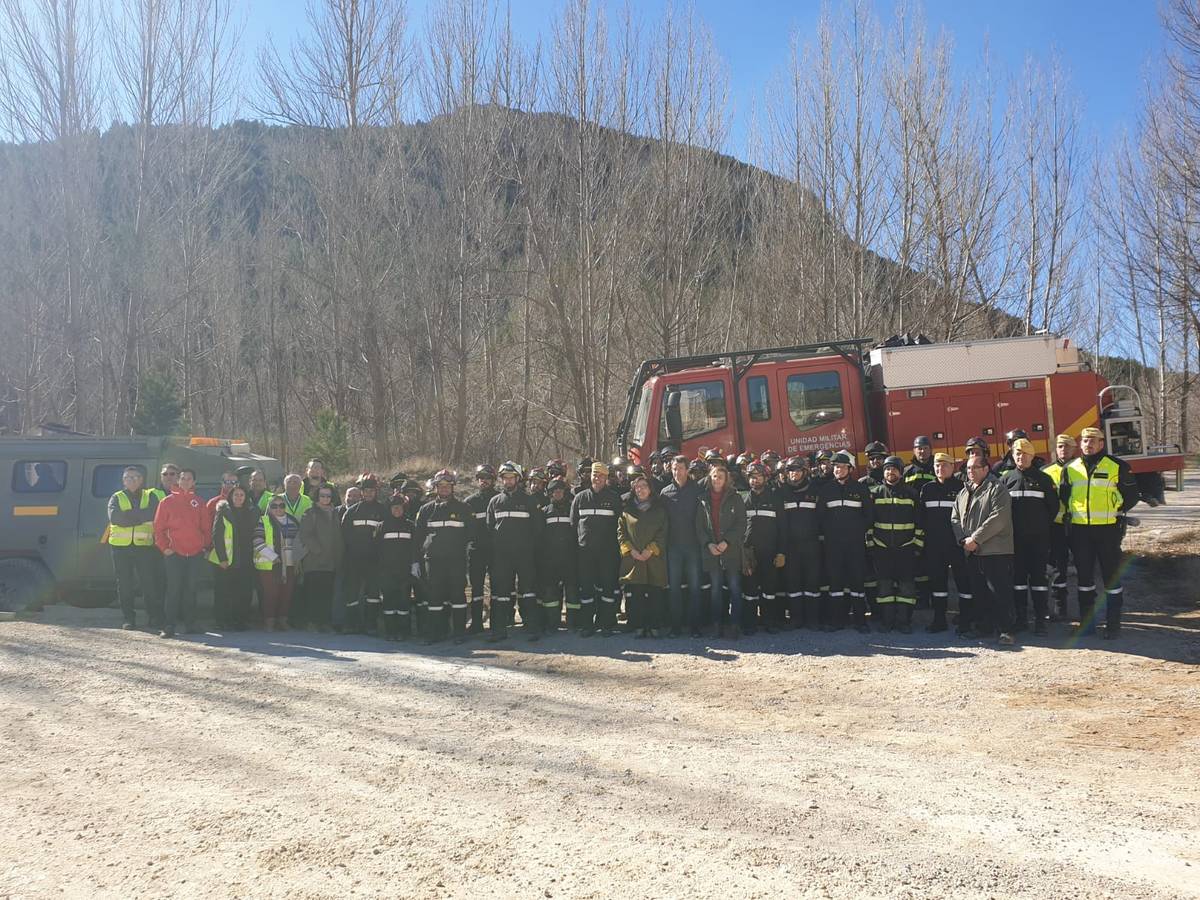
x: 39, y: 476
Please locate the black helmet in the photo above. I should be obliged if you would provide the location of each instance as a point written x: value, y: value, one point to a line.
x: 731, y: 460
x: 366, y: 481
x: 556, y: 484
x: 539, y: 473
x: 876, y: 448
x: 1015, y: 435
x: 824, y: 456
x: 697, y: 467
x: 398, y: 497
x: 766, y: 455
x: 842, y: 458
x: 556, y: 468
x: 894, y: 462
x: 977, y: 442
x: 922, y: 440
x: 712, y: 454
x: 483, y: 471
x: 755, y: 468
x: 585, y: 466
x: 795, y: 464
x: 633, y: 472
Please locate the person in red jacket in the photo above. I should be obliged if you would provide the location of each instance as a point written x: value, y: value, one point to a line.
x: 182, y: 531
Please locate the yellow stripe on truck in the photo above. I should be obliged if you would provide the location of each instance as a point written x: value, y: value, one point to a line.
x: 1090, y: 417
x: 35, y: 510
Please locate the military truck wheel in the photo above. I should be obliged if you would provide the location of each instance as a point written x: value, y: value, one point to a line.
x: 25, y: 585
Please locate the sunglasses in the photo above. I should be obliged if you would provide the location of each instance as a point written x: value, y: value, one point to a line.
x: 229, y: 481
x: 278, y: 506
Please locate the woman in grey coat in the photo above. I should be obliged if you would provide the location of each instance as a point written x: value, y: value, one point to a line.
x: 321, y: 534
x: 721, y: 530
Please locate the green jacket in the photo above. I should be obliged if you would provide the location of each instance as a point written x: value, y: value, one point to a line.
x: 733, y: 530
x: 643, y: 530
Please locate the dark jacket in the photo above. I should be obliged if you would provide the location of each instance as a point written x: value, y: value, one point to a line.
x: 1034, y: 502
x: 766, y: 528
x: 595, y: 516
x: 321, y: 533
x: 984, y: 514
x: 359, y: 523
x: 243, y: 521
x: 478, y: 535
x: 680, y: 504
x: 445, y: 527
x: 732, y: 515
x: 937, y: 500
x: 398, y: 540
x: 514, y: 521
x: 917, y: 474
x: 559, y: 542
x: 895, y: 524
x: 845, y: 511
x: 800, y: 512
x: 643, y: 530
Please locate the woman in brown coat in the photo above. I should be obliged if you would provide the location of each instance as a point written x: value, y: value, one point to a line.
x: 642, y: 535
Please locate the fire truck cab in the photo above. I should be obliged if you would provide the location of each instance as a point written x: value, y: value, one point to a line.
x: 798, y: 400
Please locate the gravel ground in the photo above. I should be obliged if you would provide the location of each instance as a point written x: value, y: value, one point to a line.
x: 796, y: 765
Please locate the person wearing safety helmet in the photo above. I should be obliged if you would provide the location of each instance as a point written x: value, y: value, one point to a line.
x: 479, y: 541
x: 822, y: 467
x: 942, y: 549
x: 362, y: 595
x: 557, y: 559
x: 444, y: 525
x: 535, y: 485
x: 397, y: 543
x: 738, y: 472
x: 920, y: 471
x: 583, y: 475
x: 556, y: 468
x: 802, y: 573
x: 765, y: 552
x: 697, y: 470
x: 1034, y: 506
x: 845, y: 513
x: 618, y: 478
x: 898, y: 539
x: 594, y: 513
x: 515, y: 522
x: 876, y: 453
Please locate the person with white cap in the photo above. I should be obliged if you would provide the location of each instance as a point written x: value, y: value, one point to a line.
x: 1098, y: 490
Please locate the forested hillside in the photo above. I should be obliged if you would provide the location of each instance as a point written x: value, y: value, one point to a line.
x: 454, y: 244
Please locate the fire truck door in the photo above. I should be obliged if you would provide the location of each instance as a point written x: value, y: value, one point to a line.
x: 1027, y: 410
x: 969, y: 416
x: 909, y: 418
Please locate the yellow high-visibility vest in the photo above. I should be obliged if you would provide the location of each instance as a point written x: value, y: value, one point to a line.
x: 212, y: 554
x: 1096, y: 498
x: 261, y: 563
x: 1055, y: 470
x: 135, y: 535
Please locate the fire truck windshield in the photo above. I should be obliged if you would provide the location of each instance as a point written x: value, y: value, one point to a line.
x: 641, y: 418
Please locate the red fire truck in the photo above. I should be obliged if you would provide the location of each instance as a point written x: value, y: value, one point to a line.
x: 836, y: 395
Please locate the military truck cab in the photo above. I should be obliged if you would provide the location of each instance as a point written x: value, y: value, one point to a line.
x: 54, y: 495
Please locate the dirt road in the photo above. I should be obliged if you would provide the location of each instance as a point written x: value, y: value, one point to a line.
x: 797, y: 765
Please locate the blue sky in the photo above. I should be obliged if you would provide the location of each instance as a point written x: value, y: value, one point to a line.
x: 1106, y: 45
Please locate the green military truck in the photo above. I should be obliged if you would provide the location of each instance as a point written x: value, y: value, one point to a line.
x: 54, y: 494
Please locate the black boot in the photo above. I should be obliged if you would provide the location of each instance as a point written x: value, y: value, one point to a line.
x: 904, y: 616
x: 476, y: 617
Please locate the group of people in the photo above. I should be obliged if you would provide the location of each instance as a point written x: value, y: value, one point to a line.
x: 715, y: 545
